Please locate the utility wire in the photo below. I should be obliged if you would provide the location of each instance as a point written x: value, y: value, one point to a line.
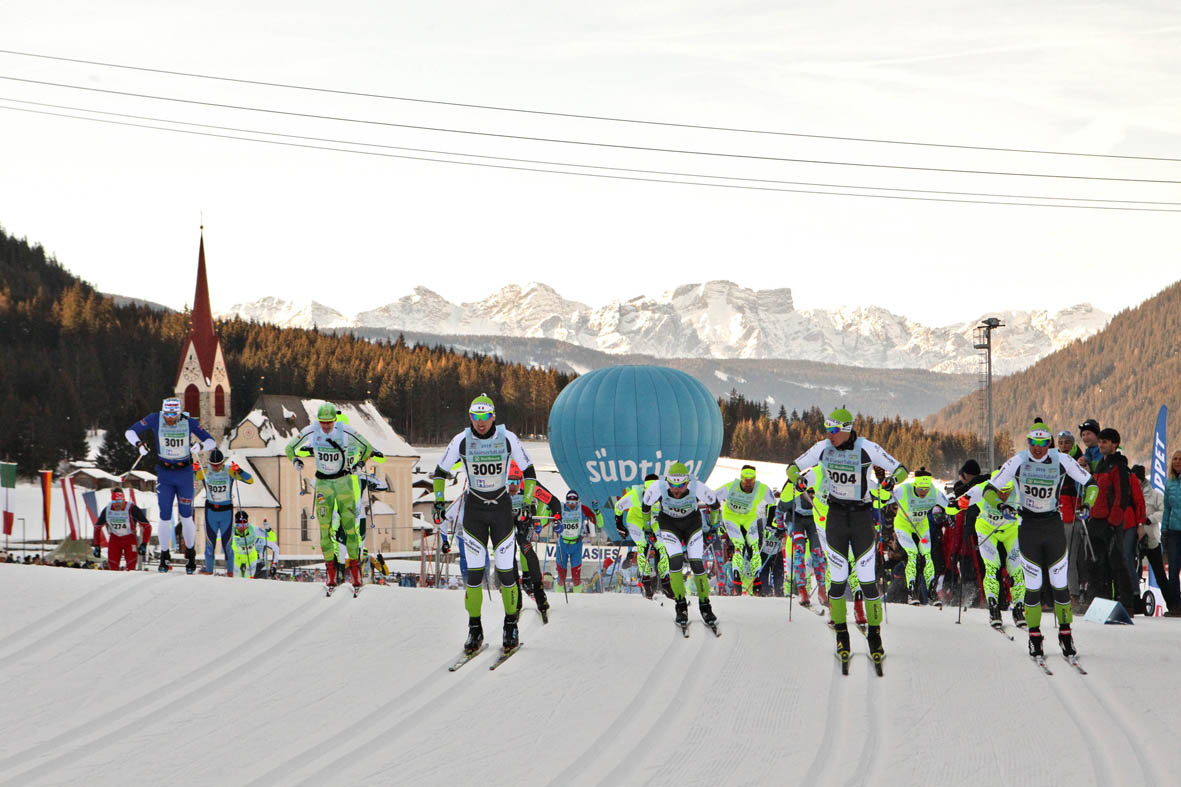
x: 334, y: 141
x: 440, y: 129
x: 585, y: 174
x: 573, y: 115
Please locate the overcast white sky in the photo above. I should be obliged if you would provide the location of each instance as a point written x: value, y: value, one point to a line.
x: 121, y: 206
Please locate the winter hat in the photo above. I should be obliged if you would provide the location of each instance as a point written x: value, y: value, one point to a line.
x: 1109, y: 434
x: 971, y: 467
x: 1138, y: 471
x: 840, y: 419
x: 1089, y: 425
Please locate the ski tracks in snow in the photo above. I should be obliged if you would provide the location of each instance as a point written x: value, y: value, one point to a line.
x: 161, y: 701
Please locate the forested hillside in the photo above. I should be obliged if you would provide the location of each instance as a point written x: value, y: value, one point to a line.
x: 70, y: 359
x: 1120, y: 376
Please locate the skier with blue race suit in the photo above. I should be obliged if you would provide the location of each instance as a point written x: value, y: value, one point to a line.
x: 486, y: 449
x: 219, y: 505
x: 575, y: 523
x: 846, y: 458
x: 174, y: 431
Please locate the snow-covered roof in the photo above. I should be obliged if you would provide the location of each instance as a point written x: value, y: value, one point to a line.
x: 280, y: 418
x: 255, y: 495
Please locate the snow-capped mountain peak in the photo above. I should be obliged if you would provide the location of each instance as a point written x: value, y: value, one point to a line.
x: 718, y: 319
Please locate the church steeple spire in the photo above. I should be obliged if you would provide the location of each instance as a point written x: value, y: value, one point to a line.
x: 201, y: 378
x: 203, y: 335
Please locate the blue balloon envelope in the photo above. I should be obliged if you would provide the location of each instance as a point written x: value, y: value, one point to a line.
x: 611, y: 427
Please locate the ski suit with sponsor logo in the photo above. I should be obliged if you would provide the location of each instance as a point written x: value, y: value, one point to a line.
x: 678, y: 525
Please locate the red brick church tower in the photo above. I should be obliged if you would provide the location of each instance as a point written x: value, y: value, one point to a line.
x: 201, y: 379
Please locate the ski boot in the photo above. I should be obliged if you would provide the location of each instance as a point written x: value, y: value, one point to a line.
x: 190, y: 559
x: 1019, y: 614
x: 355, y: 573
x: 165, y: 561
x: 873, y: 638
x: 994, y: 614
x: 912, y: 591
x: 1066, y: 641
x: 804, y: 602
x: 933, y: 595
x: 1035, y: 643
x: 330, y: 566
x: 844, y: 651
x: 511, y: 635
x: 475, y: 636
x: 666, y: 585
x: 707, y: 613
x: 682, y: 609
x: 648, y: 585
x: 822, y: 597
x: 540, y: 599
x: 858, y: 608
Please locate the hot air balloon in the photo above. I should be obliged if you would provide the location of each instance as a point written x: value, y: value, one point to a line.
x: 611, y: 427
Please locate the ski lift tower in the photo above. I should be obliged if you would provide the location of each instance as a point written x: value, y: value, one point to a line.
x: 982, y: 340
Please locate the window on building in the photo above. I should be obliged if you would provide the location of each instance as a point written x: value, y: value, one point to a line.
x: 219, y: 401
x: 303, y: 525
x: 193, y: 401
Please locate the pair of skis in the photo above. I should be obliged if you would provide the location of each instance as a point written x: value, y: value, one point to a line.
x: 330, y: 589
x: 1072, y: 660
x: 504, y: 656
x: 845, y: 656
x: 684, y: 627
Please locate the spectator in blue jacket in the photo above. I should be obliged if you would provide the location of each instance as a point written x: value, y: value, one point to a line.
x: 1170, y: 525
x: 1088, y: 433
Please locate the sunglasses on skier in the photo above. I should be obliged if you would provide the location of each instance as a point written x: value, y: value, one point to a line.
x: 835, y: 427
x: 1041, y: 442
x: 481, y: 416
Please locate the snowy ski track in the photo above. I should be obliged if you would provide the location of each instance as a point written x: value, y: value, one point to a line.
x: 117, y: 678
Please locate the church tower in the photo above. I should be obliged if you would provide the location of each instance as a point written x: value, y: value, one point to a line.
x: 201, y: 380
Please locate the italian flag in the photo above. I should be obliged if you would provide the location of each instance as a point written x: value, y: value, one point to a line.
x: 7, y: 484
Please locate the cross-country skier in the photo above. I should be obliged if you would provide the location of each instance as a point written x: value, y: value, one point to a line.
x: 525, y: 516
x: 1038, y: 472
x: 576, y: 522
x: 797, y: 511
x: 996, y: 532
x: 638, y: 522
x: 249, y: 543
x: 120, y: 517
x: 679, y: 527
x: 486, y: 449
x: 745, y: 499
x: 272, y: 547
x: 331, y: 442
x: 845, y: 460
x: 174, y: 431
x: 916, y: 500
x: 219, y: 505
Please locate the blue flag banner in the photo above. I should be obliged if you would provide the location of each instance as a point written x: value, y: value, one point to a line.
x: 1158, y: 450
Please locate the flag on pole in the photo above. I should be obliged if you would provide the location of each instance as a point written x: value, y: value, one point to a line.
x: 7, y: 485
x: 90, y: 500
x: 67, y: 484
x: 1158, y: 450
x: 46, y: 491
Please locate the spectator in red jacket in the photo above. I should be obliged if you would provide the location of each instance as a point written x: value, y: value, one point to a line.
x: 1118, y: 509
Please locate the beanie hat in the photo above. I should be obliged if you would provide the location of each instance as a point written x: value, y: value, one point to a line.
x: 1109, y: 434
x: 971, y: 467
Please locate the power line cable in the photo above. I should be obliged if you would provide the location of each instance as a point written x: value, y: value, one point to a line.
x: 668, y: 173
x: 586, y: 174
x: 577, y: 116
x: 559, y: 141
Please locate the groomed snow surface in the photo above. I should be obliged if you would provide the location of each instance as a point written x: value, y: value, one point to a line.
x: 143, y: 678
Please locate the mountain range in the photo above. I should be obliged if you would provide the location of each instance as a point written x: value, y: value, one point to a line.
x: 716, y: 319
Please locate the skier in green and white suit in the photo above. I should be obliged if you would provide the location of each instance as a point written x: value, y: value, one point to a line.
x: 996, y: 534
x: 487, y: 449
x: 846, y: 459
x: 331, y: 443
x: 745, y: 499
x: 678, y: 524
x: 916, y: 499
x: 630, y: 507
